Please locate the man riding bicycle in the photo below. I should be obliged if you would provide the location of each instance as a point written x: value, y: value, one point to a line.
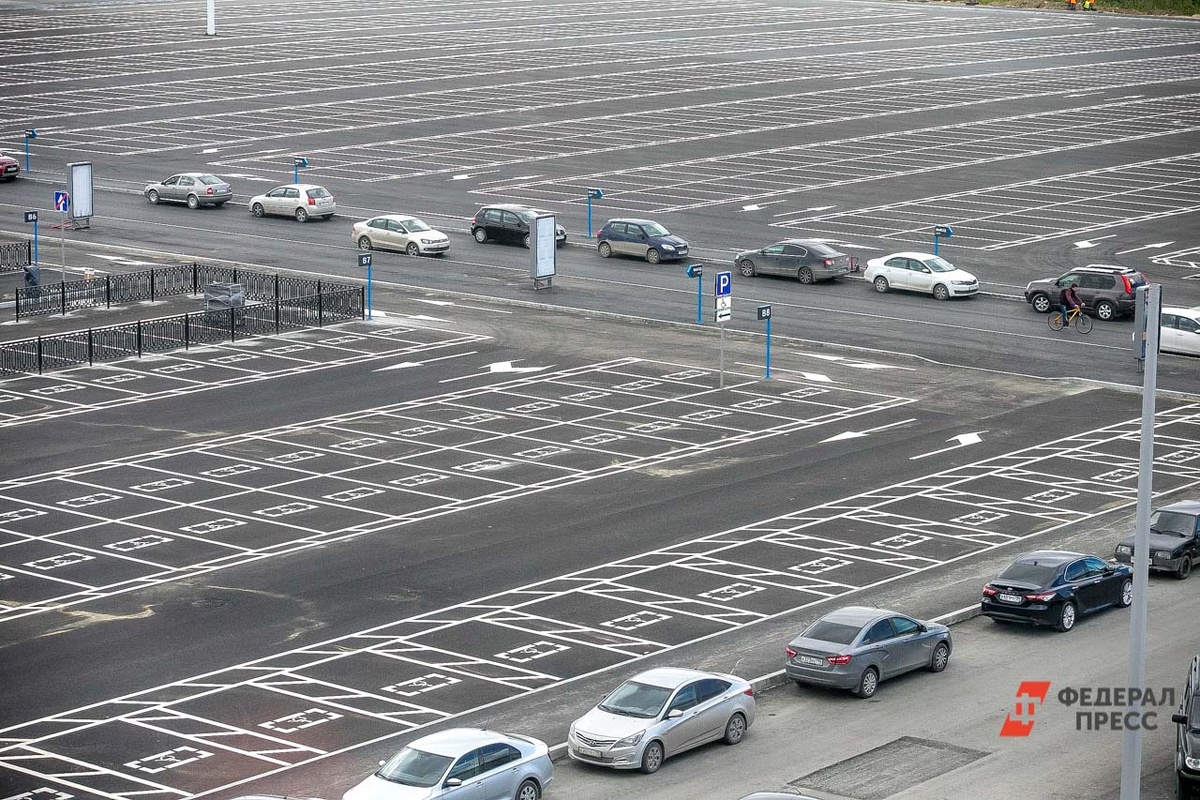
x: 1070, y: 302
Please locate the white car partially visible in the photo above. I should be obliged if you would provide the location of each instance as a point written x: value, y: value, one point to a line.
x: 1180, y: 332
x: 920, y: 272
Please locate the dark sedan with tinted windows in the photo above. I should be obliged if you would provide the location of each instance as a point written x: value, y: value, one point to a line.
x: 1052, y: 587
x: 806, y: 260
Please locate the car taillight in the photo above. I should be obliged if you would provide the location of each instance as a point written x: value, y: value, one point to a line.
x: 790, y: 652
x: 1040, y: 598
x: 312, y: 201
x: 990, y: 592
x: 838, y: 661
x: 1128, y: 284
x: 749, y: 692
x: 208, y: 190
x: 829, y: 262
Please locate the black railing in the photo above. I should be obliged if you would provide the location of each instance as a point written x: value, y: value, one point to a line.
x: 161, y: 282
x: 15, y: 255
x: 326, y: 305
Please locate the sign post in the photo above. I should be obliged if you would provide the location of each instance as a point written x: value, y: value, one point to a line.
x: 62, y: 202
x: 941, y: 232
x: 31, y: 216
x: 298, y: 163
x: 543, y: 251
x: 211, y: 30
x: 764, y: 312
x: 29, y: 134
x: 696, y: 271
x: 723, y: 294
x: 364, y: 260
x: 592, y: 194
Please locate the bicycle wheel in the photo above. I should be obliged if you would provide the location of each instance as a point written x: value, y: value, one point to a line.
x: 1083, y: 323
x: 1055, y: 321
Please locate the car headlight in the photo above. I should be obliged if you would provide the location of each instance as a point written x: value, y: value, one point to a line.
x: 1192, y: 763
x: 963, y: 283
x: 429, y: 241
x: 669, y: 247
x: 1124, y: 549
x: 631, y: 741
x: 1162, y: 554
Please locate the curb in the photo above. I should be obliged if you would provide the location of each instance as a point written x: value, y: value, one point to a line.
x: 773, y: 680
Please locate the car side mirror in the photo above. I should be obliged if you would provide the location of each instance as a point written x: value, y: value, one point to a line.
x: 452, y: 783
x: 381, y: 763
x: 924, y: 628
x: 1179, y: 719
x: 675, y: 713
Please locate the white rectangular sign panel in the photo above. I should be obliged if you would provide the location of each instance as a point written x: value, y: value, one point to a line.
x: 80, y: 188
x: 542, y: 245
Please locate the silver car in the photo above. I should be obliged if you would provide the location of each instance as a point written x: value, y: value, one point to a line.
x: 399, y: 232
x: 194, y: 188
x: 659, y: 713
x: 300, y: 200
x: 464, y: 764
x: 856, y: 647
x: 806, y: 260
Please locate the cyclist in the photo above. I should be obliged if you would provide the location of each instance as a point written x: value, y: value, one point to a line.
x: 1070, y: 302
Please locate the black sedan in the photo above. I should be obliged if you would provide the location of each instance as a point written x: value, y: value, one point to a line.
x: 1052, y: 587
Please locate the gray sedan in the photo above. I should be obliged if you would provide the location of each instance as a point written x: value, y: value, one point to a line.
x: 806, y: 260
x: 194, y: 188
x: 856, y: 648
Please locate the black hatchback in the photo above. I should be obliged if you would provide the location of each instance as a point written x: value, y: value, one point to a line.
x: 508, y: 222
x: 1053, y: 587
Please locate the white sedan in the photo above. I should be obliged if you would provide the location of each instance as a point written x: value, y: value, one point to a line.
x: 920, y: 272
x: 399, y: 232
x: 1180, y: 332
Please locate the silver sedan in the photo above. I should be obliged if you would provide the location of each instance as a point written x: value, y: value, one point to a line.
x: 194, y: 188
x: 462, y: 763
x: 659, y: 713
x: 399, y: 232
x: 857, y: 647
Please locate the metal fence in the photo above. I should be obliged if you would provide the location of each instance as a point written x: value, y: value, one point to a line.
x: 130, y: 339
x: 15, y: 255
x: 159, y: 283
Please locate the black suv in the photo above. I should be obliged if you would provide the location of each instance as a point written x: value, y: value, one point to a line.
x: 1174, y: 539
x: 510, y: 223
x: 1187, y: 739
x: 1107, y: 292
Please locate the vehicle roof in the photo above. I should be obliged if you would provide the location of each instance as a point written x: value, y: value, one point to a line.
x: 1102, y: 268
x: 806, y: 242
x: 394, y: 216
x: 1053, y: 556
x: 194, y: 173
x: 671, y: 677
x: 456, y: 741
x: 509, y: 206
x: 1181, y: 310
x: 912, y: 254
x: 1184, y: 506
x: 859, y: 615
x: 638, y: 220
x: 295, y: 186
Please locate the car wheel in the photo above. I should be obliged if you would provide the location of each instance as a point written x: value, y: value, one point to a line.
x: 735, y: 729
x: 1106, y: 310
x: 480, y: 235
x: 604, y: 249
x: 364, y: 243
x: 652, y: 758
x: 805, y: 275
x: 868, y: 684
x: 413, y: 249
x: 941, y: 657
x: 940, y: 292
x: 257, y: 210
x: 746, y: 268
x: 1185, y: 568
x: 1066, y: 617
x: 193, y: 202
x: 1040, y: 303
x: 1126, y: 594
x: 528, y: 790
x: 881, y: 284
x: 526, y: 241
x: 653, y: 256
x: 301, y: 215
x: 152, y: 196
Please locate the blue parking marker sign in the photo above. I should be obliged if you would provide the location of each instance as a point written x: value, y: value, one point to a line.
x: 724, y: 284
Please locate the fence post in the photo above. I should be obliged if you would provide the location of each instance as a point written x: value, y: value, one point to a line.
x: 139, y: 338
x: 108, y: 291
x: 187, y: 330
x: 362, y: 302
x: 39, y: 355
x: 277, y: 308
x: 277, y: 294
x: 232, y: 324
x: 195, y: 279
x: 62, y: 289
x: 89, y: 347
x: 17, y: 304
x: 152, y: 284
x: 320, y: 307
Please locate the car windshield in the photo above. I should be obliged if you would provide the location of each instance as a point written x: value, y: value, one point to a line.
x: 209, y: 180
x: 414, y: 225
x: 939, y: 264
x: 1173, y: 523
x: 632, y: 699
x: 837, y: 632
x: 1194, y: 717
x: 654, y: 229
x: 1029, y: 572
x: 415, y: 768
x: 319, y: 191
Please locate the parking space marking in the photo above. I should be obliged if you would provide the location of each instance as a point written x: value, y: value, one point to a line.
x: 564, y: 627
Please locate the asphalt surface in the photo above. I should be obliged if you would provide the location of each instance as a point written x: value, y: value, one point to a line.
x: 262, y: 566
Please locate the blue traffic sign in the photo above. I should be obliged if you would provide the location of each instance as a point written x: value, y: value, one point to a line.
x: 62, y: 201
x: 31, y: 216
x: 944, y: 231
x: 694, y: 270
x: 595, y: 194
x: 299, y: 161
x: 724, y: 284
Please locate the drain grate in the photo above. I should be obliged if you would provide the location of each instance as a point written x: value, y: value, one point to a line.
x: 889, y: 769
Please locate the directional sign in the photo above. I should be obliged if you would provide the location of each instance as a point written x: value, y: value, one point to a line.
x: 724, y: 314
x: 944, y: 231
x: 723, y: 284
x: 595, y: 194
x: 764, y: 312
x: 300, y: 161
x: 694, y: 270
x: 62, y: 201
x: 364, y: 259
x: 31, y: 216
x: 724, y: 301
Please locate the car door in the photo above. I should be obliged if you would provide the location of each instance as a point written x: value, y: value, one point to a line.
x: 767, y: 260
x: 638, y: 240
x: 1094, y: 287
x: 397, y: 235
x: 169, y: 189
x: 377, y: 230
x: 794, y: 257
x: 911, y: 646
x: 920, y: 277
x: 1087, y: 589
x: 1062, y: 283
x: 1187, y: 335
x: 714, y: 710
x: 511, y: 225
x: 274, y: 201
x: 688, y: 729
x: 896, y: 272
x: 466, y: 769
x: 493, y: 222
x: 1108, y: 583
x: 186, y: 186
x: 877, y: 646
x: 499, y: 772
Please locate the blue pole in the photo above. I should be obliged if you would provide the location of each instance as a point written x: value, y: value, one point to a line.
x: 768, y: 348
x: 935, y: 244
x: 27, y: 154
x: 295, y: 173
x: 589, y: 199
x: 700, y: 300
x: 368, y: 288
x: 35, y: 240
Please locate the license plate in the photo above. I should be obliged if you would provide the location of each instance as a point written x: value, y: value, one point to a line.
x: 813, y: 660
x: 1010, y: 598
x: 588, y: 752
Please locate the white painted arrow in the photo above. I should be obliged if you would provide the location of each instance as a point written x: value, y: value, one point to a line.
x: 963, y: 439
x: 817, y: 208
x: 816, y: 377
x: 1088, y: 243
x: 433, y: 302
x: 860, y: 434
x: 751, y: 208
x: 1155, y: 246
x: 507, y: 366
x: 401, y: 365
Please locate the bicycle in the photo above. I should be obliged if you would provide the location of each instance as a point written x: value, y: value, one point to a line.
x: 1076, y: 317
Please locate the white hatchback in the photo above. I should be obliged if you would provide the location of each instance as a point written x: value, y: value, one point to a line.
x: 1180, y: 332
x: 300, y: 200
x: 920, y: 272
